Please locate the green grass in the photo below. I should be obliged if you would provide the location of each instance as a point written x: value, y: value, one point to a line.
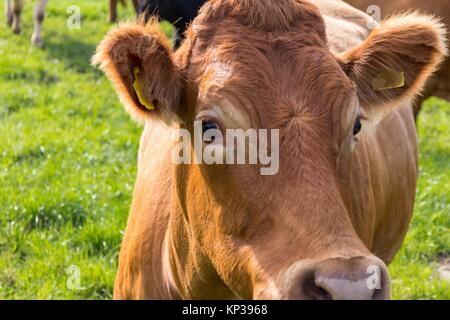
x: 68, y: 164
x: 428, y: 240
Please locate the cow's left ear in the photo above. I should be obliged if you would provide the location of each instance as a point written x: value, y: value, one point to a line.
x: 395, y: 61
x: 138, y: 59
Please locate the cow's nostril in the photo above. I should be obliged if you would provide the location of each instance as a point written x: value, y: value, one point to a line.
x: 312, y: 291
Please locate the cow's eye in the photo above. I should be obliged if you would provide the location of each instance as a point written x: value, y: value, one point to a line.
x: 358, y: 126
x: 209, y: 125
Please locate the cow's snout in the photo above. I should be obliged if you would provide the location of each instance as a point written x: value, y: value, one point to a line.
x: 357, y: 278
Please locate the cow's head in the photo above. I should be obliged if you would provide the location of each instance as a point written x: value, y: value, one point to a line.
x: 266, y: 65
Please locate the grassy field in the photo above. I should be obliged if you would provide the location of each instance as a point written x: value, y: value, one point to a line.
x: 68, y: 163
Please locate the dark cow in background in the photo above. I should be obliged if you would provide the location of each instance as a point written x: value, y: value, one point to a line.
x: 13, y: 12
x: 178, y: 12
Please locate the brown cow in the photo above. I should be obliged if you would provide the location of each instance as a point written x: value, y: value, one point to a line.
x: 440, y: 86
x: 13, y: 18
x: 341, y: 202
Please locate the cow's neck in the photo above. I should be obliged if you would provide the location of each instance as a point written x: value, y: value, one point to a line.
x: 189, y: 272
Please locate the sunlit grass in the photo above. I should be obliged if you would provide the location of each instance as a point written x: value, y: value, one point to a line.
x: 68, y: 160
x: 428, y: 240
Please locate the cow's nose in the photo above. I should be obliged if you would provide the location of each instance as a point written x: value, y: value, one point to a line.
x: 356, y: 278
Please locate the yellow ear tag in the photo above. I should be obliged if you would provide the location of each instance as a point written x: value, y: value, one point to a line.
x: 138, y: 89
x: 389, y: 79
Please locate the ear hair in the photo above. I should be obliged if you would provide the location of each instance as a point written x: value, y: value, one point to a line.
x: 144, y: 47
x: 407, y: 48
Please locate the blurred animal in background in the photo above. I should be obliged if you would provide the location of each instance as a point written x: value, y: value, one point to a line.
x: 113, y: 8
x: 440, y: 84
x: 178, y: 12
x: 13, y: 18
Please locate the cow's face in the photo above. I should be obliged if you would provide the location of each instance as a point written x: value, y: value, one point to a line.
x: 264, y: 66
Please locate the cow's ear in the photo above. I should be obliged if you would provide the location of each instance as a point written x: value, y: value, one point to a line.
x: 138, y: 59
x: 393, y: 64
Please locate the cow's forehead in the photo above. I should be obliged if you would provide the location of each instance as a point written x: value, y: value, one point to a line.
x: 235, y: 38
x: 273, y: 68
x: 273, y: 86
x: 270, y: 66
x: 220, y: 71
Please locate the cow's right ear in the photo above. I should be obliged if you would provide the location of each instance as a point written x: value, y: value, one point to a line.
x: 138, y: 59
